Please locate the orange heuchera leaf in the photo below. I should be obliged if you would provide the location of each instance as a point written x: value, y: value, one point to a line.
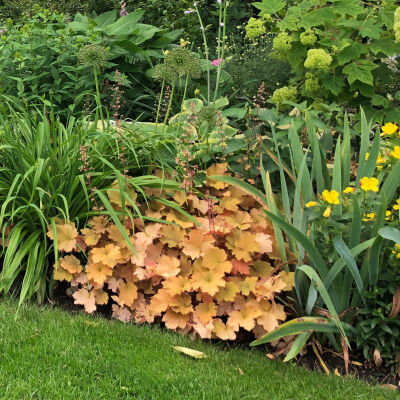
x: 98, y: 272
x: 271, y: 286
x: 60, y: 274
x: 101, y: 297
x: 144, y: 314
x: 127, y: 294
x: 240, y: 267
x: 115, y: 234
x: 197, y: 204
x: 242, y: 244
x: 208, y: 281
x: 107, y: 255
x: 245, y: 317
x: 90, y: 236
x: 175, y: 320
x: 261, y: 269
x: 66, y: 236
x: 142, y: 242
x: 271, y: 314
x: 228, y: 293
x: 113, y: 284
x: 238, y: 219
x: 167, y: 267
x: 217, y: 170
x: 153, y: 230
x: 176, y: 285
x: 99, y: 224
x: 121, y: 313
x: 223, y: 331
x: 215, y: 259
x: 114, y: 194
x: 160, y: 301
x: 180, y: 197
x: 288, y: 278
x: 203, y: 330
x: 265, y: 242
x: 79, y: 279
x: 71, y: 264
x: 172, y: 235
x: 85, y: 298
x: 248, y: 285
x: 197, y: 244
x: 205, y: 312
x: 179, y: 219
x: 182, y: 304
x: 229, y: 203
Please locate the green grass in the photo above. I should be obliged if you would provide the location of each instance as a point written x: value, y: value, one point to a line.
x: 49, y: 354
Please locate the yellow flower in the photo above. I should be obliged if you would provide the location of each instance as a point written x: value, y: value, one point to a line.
x: 332, y: 197
x: 388, y: 214
x: 366, y: 156
x: 396, y: 152
x: 197, y: 92
x: 389, y: 128
x: 380, y: 160
x: 349, y: 189
x: 327, y: 212
x: 369, y: 217
x: 397, y: 205
x: 311, y: 204
x: 369, y: 184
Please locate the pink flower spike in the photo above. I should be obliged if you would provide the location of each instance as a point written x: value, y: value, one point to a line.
x: 218, y: 61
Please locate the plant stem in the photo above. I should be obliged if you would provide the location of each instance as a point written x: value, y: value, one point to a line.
x: 98, y: 100
x: 207, y: 55
x: 221, y: 42
x: 184, y: 98
x: 159, y: 102
x: 169, y: 107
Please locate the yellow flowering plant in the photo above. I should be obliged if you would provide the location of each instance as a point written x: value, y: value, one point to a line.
x: 337, y: 223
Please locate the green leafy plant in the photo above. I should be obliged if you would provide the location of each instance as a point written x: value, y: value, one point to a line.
x: 339, y: 52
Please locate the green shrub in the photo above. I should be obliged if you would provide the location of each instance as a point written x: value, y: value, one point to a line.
x: 39, y: 58
x: 346, y: 46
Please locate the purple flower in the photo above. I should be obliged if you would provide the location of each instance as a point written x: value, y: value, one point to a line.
x: 123, y: 12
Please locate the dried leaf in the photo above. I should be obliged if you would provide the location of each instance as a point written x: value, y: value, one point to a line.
x: 396, y: 304
x: 190, y: 352
x: 377, y: 358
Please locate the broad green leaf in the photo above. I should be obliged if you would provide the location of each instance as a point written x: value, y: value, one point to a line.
x: 125, y: 25
x: 296, y: 327
x: 390, y: 233
x: 269, y: 6
x: 297, y: 345
x: 360, y: 71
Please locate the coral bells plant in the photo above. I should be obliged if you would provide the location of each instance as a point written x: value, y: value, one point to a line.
x: 212, y: 274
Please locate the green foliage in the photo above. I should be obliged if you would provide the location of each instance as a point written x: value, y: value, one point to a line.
x: 347, y: 45
x: 48, y: 58
x: 250, y: 63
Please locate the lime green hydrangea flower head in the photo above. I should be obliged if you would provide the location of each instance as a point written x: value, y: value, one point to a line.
x: 397, y: 24
x: 282, y: 43
x: 311, y: 84
x: 255, y: 28
x: 285, y: 93
x: 308, y: 38
x: 318, y: 59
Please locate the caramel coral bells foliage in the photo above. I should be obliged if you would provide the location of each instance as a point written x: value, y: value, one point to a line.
x: 211, y: 279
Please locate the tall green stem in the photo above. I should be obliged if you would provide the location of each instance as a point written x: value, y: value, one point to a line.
x: 183, y: 101
x: 159, y: 103
x: 169, y: 107
x: 98, y: 100
x: 221, y: 45
x: 207, y: 55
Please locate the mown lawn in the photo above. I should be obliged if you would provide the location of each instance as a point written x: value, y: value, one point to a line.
x: 49, y: 354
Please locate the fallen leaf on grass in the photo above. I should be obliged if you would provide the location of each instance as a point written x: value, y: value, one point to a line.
x: 189, y: 352
x: 389, y: 386
x: 241, y: 372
